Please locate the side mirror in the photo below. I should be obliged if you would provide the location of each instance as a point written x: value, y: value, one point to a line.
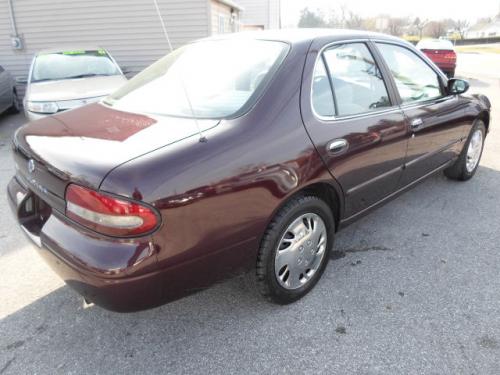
x: 457, y: 86
x: 22, y: 80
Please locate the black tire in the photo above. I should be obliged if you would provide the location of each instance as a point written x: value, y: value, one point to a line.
x: 16, y: 104
x: 451, y: 74
x: 266, y: 277
x: 458, y: 171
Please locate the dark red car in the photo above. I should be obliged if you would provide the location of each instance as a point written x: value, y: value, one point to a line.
x: 442, y: 53
x: 241, y: 152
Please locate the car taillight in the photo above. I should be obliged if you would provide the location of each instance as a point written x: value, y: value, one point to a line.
x: 108, y: 214
x: 450, y: 55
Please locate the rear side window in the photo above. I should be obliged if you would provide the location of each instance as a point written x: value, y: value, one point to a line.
x: 357, y: 83
x: 322, y: 98
x: 415, y: 80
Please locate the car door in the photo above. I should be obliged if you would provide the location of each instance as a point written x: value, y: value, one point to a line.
x: 352, y: 118
x: 435, y: 119
x: 5, y: 94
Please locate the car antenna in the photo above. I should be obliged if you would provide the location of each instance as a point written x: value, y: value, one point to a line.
x: 186, y: 94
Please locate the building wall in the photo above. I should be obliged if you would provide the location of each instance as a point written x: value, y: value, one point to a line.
x: 485, y: 32
x: 221, y: 16
x: 129, y: 29
x: 263, y: 13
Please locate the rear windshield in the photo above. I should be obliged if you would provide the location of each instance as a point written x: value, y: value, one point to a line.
x: 209, y: 79
x: 435, y: 44
x: 73, y: 64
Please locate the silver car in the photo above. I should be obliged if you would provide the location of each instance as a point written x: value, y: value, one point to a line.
x: 62, y: 79
x: 8, y: 93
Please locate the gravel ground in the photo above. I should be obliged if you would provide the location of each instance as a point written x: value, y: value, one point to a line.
x: 413, y: 289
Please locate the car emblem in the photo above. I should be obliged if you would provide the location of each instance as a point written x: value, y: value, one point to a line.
x: 31, y: 166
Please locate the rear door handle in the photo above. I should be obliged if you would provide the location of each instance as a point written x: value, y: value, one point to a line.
x: 338, y: 145
x: 416, y: 123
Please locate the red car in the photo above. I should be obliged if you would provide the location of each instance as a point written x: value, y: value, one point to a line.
x: 442, y: 53
x: 247, y: 151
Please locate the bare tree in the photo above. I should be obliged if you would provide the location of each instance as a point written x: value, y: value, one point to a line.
x: 420, y: 25
x: 309, y: 18
x: 461, y: 27
x: 395, y: 26
x: 369, y: 24
x: 435, y: 29
x: 354, y: 21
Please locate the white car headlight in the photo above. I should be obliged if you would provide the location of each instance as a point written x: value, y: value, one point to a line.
x: 42, y: 107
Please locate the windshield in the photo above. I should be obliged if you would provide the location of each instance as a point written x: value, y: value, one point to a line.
x: 73, y: 64
x: 209, y: 79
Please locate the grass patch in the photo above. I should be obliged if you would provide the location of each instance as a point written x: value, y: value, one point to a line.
x: 478, y: 49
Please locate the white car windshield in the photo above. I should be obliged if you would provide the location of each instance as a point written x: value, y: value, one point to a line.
x: 208, y: 79
x: 73, y: 64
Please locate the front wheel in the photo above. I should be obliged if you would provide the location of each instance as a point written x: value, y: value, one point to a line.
x: 295, y: 249
x: 467, y: 163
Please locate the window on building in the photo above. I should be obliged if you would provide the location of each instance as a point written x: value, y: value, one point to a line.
x: 222, y: 24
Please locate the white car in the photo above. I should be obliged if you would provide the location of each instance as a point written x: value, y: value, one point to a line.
x: 62, y: 79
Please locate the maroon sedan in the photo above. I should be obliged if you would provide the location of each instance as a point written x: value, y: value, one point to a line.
x: 241, y: 152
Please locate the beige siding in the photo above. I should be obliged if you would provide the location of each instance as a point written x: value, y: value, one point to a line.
x: 221, y: 15
x: 263, y: 13
x: 129, y: 29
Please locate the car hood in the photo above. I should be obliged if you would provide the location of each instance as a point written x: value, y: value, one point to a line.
x: 70, y: 89
x: 85, y: 144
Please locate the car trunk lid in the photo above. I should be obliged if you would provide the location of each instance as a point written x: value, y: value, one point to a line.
x: 84, y: 145
x: 444, y: 56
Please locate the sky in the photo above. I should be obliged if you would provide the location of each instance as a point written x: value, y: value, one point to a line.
x: 425, y: 9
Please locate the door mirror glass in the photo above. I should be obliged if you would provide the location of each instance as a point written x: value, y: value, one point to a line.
x: 457, y: 86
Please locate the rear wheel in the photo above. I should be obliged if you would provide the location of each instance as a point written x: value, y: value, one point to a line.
x: 295, y: 249
x: 466, y: 165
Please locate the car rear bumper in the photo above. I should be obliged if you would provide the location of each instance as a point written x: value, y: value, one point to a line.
x: 121, y: 275
x: 445, y: 67
x: 115, y: 274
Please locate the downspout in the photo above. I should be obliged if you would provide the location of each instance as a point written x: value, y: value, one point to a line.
x: 12, y: 18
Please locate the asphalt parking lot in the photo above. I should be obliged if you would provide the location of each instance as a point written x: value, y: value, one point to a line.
x: 414, y: 289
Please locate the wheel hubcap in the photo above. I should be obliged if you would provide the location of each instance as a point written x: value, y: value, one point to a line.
x: 300, y: 251
x: 474, y: 150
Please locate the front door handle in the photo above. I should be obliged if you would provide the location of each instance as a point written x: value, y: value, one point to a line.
x: 416, y: 123
x: 337, y: 146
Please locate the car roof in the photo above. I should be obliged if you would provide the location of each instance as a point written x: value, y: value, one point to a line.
x: 304, y: 34
x: 69, y: 48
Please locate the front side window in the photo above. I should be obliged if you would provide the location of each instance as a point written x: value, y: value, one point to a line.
x: 415, y: 80
x: 73, y: 64
x: 209, y: 79
x: 358, y: 86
